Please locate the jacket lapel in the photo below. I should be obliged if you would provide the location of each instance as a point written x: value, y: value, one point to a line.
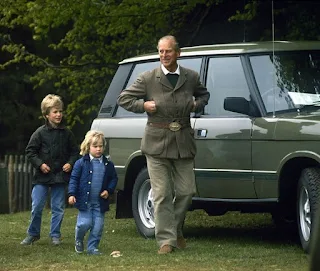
x: 182, y: 78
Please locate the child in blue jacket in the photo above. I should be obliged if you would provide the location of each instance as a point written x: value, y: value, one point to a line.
x: 93, y: 180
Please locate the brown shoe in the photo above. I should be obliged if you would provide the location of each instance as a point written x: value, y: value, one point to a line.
x: 165, y: 249
x: 181, y: 242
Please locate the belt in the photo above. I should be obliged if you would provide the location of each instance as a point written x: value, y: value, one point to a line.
x: 172, y: 126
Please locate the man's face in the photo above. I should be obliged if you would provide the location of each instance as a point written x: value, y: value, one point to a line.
x: 168, y: 56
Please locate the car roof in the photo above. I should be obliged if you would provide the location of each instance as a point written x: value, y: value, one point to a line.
x: 235, y: 48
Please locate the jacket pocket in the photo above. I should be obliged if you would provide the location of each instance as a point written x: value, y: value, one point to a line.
x: 45, y: 151
x: 152, y: 142
x: 66, y: 177
x: 45, y: 155
x: 42, y: 178
x: 193, y: 148
x: 190, y: 141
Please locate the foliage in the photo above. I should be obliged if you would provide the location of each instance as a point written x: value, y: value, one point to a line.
x: 85, y: 40
x: 291, y: 20
x: 237, y: 242
x: 72, y: 47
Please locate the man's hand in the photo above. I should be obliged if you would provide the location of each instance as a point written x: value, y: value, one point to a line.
x: 194, y: 107
x: 150, y: 106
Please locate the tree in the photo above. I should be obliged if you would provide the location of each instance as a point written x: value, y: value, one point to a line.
x: 72, y: 47
x: 292, y: 19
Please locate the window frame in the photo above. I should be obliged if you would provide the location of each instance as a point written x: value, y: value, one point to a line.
x: 134, y: 64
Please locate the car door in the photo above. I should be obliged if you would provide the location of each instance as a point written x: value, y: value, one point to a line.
x: 223, y: 165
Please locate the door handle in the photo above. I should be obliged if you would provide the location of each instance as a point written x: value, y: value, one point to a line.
x: 201, y: 133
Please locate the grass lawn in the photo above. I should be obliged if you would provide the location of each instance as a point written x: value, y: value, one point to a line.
x: 239, y: 242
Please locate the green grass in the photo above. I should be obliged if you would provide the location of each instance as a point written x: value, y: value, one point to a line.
x: 239, y: 242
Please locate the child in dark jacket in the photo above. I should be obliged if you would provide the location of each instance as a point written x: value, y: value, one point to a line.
x: 52, y: 150
x: 93, y: 180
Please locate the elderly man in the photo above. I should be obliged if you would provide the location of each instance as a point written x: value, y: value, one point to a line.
x: 168, y: 94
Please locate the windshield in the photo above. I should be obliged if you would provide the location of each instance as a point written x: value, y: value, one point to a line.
x: 292, y: 82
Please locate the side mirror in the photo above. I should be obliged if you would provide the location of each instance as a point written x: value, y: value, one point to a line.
x: 237, y: 104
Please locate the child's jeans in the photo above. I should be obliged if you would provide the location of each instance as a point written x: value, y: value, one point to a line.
x: 39, y: 197
x: 93, y: 220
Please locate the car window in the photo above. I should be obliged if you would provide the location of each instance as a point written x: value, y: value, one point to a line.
x: 225, y: 78
x: 287, y: 80
x: 191, y: 63
x: 138, y: 68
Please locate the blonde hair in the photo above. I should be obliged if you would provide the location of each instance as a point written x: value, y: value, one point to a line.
x: 173, y: 39
x: 92, y: 137
x: 50, y: 101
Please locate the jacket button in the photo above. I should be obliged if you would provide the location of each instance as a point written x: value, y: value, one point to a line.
x: 90, y: 171
x: 86, y: 202
x: 87, y: 192
x: 89, y: 182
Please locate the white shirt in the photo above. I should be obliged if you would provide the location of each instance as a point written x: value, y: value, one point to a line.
x: 91, y: 157
x: 165, y: 71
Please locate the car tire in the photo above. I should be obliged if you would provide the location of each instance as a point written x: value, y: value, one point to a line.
x: 142, y: 205
x: 307, y: 204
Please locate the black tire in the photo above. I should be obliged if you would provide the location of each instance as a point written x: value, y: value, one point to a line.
x: 142, y: 204
x: 307, y: 204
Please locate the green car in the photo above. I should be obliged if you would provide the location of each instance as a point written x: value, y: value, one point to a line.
x: 258, y: 139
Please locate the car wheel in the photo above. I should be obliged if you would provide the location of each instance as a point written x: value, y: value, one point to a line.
x: 142, y: 204
x: 307, y: 204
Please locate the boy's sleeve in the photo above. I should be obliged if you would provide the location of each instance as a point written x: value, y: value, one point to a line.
x: 74, y: 179
x: 113, y: 178
x: 73, y: 149
x: 33, y: 148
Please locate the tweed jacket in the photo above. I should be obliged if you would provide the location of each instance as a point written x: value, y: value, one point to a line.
x: 173, y: 104
x: 80, y: 182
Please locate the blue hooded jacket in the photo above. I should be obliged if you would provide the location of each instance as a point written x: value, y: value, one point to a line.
x: 80, y: 182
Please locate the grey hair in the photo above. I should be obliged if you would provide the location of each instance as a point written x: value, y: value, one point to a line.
x: 174, y: 41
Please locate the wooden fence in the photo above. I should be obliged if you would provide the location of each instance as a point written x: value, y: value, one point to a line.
x: 16, y: 175
x: 16, y: 184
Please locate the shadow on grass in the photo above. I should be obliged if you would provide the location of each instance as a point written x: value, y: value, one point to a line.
x: 269, y: 235
x: 260, y: 229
